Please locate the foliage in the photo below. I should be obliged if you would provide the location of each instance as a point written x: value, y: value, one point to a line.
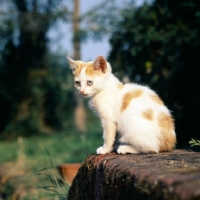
x: 98, y: 20
x: 157, y: 44
x: 194, y: 142
x: 33, y: 91
x: 36, y: 92
x: 49, y: 103
x: 59, y: 98
x: 33, y: 168
x: 57, y: 187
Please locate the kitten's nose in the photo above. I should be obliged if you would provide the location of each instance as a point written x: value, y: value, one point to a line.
x: 82, y: 91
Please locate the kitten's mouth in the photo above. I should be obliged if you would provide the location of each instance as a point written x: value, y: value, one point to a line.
x: 86, y: 95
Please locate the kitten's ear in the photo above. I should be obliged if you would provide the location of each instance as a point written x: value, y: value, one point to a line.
x: 100, y: 64
x: 72, y: 63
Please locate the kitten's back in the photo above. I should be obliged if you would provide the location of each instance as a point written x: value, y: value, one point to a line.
x: 145, y: 113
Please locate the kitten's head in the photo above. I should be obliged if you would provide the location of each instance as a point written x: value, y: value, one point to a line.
x: 90, y: 77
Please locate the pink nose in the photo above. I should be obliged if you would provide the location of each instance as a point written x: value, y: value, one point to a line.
x: 82, y: 91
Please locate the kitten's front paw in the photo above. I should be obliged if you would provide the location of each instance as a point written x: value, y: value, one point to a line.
x: 102, y: 150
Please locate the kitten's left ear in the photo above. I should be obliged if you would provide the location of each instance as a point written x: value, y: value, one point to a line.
x: 100, y: 64
x: 72, y: 63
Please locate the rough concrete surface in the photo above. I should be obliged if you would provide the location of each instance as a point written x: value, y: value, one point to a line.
x: 171, y: 175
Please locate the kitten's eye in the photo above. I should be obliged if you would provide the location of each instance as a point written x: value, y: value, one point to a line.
x: 89, y: 83
x: 77, y: 83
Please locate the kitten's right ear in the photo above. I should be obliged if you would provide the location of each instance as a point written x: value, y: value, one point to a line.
x: 72, y: 63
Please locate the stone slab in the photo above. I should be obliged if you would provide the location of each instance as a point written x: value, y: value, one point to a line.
x: 171, y: 175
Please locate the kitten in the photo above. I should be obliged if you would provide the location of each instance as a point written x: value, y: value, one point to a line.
x: 136, y: 112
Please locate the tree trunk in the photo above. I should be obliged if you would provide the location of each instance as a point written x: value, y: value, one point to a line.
x: 80, y: 112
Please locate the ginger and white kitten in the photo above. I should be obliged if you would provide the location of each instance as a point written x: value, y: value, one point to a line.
x: 135, y: 112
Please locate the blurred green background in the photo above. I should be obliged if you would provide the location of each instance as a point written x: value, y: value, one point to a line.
x: 156, y: 43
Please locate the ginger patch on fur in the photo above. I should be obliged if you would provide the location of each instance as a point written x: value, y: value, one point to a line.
x: 167, y: 138
x: 165, y: 121
x: 128, y: 97
x: 156, y: 98
x: 148, y: 114
x: 79, y: 68
x: 90, y: 69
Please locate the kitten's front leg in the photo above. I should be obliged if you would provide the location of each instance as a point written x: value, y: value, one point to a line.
x: 109, y: 133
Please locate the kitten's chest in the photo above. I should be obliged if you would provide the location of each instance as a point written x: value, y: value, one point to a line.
x: 105, y: 106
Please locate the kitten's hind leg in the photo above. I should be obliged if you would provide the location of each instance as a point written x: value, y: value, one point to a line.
x: 123, y: 149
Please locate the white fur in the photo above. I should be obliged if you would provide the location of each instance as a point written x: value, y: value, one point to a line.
x: 137, y: 134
